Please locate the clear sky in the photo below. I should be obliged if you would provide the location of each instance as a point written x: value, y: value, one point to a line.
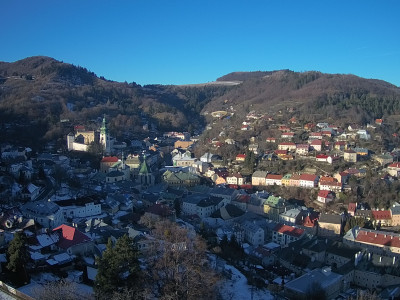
x: 189, y: 41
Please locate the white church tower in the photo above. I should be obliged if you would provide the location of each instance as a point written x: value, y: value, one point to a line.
x: 105, y: 137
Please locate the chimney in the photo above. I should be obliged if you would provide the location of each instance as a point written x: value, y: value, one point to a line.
x: 394, y: 259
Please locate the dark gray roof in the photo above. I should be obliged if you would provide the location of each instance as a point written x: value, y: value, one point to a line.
x: 328, y: 218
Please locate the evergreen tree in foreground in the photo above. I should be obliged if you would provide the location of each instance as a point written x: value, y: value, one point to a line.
x: 118, y: 268
x: 17, y: 257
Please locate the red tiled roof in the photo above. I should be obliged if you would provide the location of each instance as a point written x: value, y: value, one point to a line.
x: 378, y: 238
x: 315, y: 134
x: 70, y: 236
x: 395, y: 165
x: 289, y: 230
x: 280, y: 152
x: 110, y: 159
x: 241, y: 156
x: 322, y: 156
x: 324, y: 179
x: 274, y: 177
x: 308, y: 222
x: 352, y: 206
x: 308, y: 177
x: 381, y: 214
x: 316, y: 142
x: 288, y: 144
x: 323, y: 193
x: 243, y: 198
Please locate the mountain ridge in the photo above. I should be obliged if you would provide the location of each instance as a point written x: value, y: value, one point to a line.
x: 43, y: 90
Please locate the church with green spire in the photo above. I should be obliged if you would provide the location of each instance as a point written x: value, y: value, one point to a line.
x: 145, y: 176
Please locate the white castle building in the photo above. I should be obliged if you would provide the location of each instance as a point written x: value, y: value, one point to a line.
x: 81, y: 139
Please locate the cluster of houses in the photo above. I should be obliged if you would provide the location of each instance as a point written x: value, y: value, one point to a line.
x: 135, y: 186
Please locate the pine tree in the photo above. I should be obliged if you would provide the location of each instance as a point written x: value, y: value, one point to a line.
x: 118, y: 268
x: 17, y: 256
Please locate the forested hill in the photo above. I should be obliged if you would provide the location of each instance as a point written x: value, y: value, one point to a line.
x: 328, y: 96
x: 38, y: 93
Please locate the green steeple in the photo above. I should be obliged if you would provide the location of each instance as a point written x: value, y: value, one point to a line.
x: 143, y: 168
x: 103, y: 128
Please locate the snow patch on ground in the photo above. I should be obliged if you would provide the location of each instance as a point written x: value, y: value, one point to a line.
x: 237, y: 288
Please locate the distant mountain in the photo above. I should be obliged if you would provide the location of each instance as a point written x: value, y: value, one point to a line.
x: 330, y: 96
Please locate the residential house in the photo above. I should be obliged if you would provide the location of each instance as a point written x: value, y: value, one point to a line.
x: 273, y: 207
x: 273, y: 179
x: 382, y: 217
x: 241, y: 201
x: 227, y: 194
x: 383, y: 159
x: 317, y: 145
x: 294, y: 180
x: 30, y: 192
x: 107, y: 162
x: 206, y: 207
x: 241, y: 157
x: 220, y: 180
x: 287, y: 146
x: 395, y: 212
x: 331, y: 186
x: 342, y: 177
x: 258, y: 178
x: 340, y: 145
x: 302, y: 149
x: 189, y: 203
x: 253, y: 233
x: 183, y: 144
x: 374, y: 241
x: 235, y: 179
x: 329, y: 225
x: 46, y: 213
x: 284, y: 234
x: 79, y: 208
x: 363, y: 134
x: 183, y: 159
x: 350, y: 156
x: 324, y: 158
x: 308, y: 180
x: 286, y: 179
x: 287, y: 135
x: 326, y: 133
x: 325, y: 196
x: 394, y: 169
x: 271, y: 140
x: 180, y: 178
x: 361, y: 151
x: 73, y: 241
x: 281, y: 153
x: 254, y: 148
x: 315, y: 136
x: 291, y: 216
x: 351, y: 208
x: 331, y: 283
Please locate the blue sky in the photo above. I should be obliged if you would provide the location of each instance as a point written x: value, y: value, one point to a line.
x: 180, y: 42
